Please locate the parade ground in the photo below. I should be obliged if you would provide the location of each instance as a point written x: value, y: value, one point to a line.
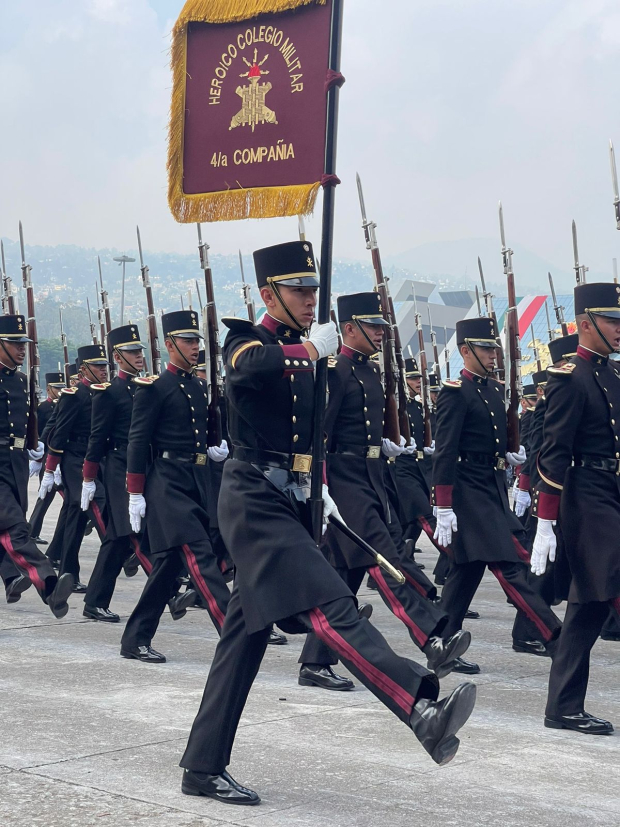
x: 89, y: 738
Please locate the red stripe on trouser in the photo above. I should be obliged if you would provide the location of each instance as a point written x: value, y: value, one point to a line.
x: 417, y: 586
x: 616, y: 604
x: 429, y: 533
x: 330, y: 636
x: 144, y: 561
x: 523, y: 553
x: 21, y: 562
x: 192, y: 565
x: 223, y: 568
x: 397, y: 607
x: 522, y: 604
x: 98, y: 517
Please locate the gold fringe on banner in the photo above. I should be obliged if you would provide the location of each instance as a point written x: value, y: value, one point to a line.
x: 228, y: 205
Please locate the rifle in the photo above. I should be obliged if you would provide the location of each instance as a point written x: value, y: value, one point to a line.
x: 93, y: 329
x: 446, y: 353
x: 8, y: 299
x: 213, y: 350
x: 513, y: 374
x: 396, y: 418
x: 65, y: 351
x: 100, y: 317
x: 550, y: 330
x: 151, y: 322
x: 580, y: 270
x: 535, y: 349
x: 488, y: 303
x: 614, y: 180
x: 434, y: 344
x: 32, y: 431
x: 247, y: 294
x: 105, y: 306
x: 559, y: 310
x: 425, y: 392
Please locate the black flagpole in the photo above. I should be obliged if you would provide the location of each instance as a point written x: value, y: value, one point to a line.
x: 325, y: 289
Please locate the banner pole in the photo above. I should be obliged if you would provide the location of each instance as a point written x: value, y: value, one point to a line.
x: 325, y: 278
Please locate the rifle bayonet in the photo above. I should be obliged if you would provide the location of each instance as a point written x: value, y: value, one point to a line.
x: 478, y: 301
x: 93, y: 330
x: 580, y: 269
x: 550, y: 329
x: 151, y: 321
x: 614, y: 180
x: 369, y: 227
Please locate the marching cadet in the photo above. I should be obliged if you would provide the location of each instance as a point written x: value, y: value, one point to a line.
x: 469, y: 488
x: 281, y: 575
x: 67, y: 447
x: 579, y: 467
x: 169, y: 422
x: 111, y: 417
x: 15, y: 540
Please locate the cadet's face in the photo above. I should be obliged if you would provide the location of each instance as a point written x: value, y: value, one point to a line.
x: 301, y: 302
x: 434, y: 395
x: 486, y: 358
x: 610, y: 328
x: 95, y: 373
x: 415, y: 384
x: 16, y: 351
x: 130, y: 360
x: 189, y: 349
x: 52, y: 393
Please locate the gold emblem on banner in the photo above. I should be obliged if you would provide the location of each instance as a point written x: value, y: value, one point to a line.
x: 254, y: 109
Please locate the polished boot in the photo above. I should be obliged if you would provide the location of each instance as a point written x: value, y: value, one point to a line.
x: 582, y: 722
x: 442, y: 654
x: 144, y: 653
x: 16, y: 588
x: 98, y: 613
x: 470, y: 614
x: 221, y: 787
x: 370, y: 583
x: 530, y: 647
x: 435, y: 723
x: 57, y: 600
x: 364, y: 610
x: 314, y: 674
x: 277, y: 639
x: 610, y: 636
x: 39, y: 541
x: 465, y: 667
x: 130, y: 566
x: 181, y: 602
x: 79, y: 588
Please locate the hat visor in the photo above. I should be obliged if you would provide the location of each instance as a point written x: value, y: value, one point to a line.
x: 610, y: 312
x: 94, y: 361
x: 373, y: 320
x: 9, y: 337
x: 413, y: 374
x: 482, y: 343
x: 296, y: 281
x: 132, y: 346
x: 190, y: 334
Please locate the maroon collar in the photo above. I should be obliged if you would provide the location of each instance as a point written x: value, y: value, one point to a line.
x: 179, y: 371
x: 590, y: 356
x: 85, y: 381
x: 473, y: 377
x: 353, y: 355
x: 278, y: 328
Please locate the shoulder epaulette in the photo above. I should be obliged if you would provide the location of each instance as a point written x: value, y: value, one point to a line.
x: 452, y: 383
x: 69, y: 391
x: 565, y: 370
x: 237, y: 324
x: 103, y: 386
x: 144, y: 381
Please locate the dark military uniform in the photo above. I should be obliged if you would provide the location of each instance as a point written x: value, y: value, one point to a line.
x: 469, y: 477
x: 44, y: 413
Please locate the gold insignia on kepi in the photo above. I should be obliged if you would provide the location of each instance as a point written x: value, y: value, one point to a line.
x: 310, y: 262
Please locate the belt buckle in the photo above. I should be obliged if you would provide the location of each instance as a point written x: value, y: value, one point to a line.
x: 302, y: 463
x: 500, y: 465
x: 373, y: 452
x: 201, y: 459
x: 19, y: 442
x: 419, y: 454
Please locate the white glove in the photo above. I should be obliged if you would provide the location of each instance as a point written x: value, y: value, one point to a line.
x: 88, y: 492
x: 430, y: 450
x: 57, y: 477
x: 391, y: 449
x: 411, y: 448
x: 446, y: 524
x: 515, y: 458
x: 522, y: 501
x: 218, y: 454
x: 36, y: 453
x: 544, y: 547
x: 137, y: 510
x: 47, y: 483
x: 324, y: 337
x: 329, y: 507
x: 34, y: 466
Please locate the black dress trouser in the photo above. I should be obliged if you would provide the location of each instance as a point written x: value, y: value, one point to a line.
x: 109, y: 564
x: 395, y: 681
x: 25, y: 555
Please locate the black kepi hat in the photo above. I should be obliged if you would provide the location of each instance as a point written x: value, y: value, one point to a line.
x: 201, y: 364
x: 480, y: 332
x: 564, y: 347
x: 13, y: 328
x: 182, y: 323
x: 598, y: 299
x: 55, y: 379
x: 291, y: 264
x: 92, y: 355
x: 529, y: 391
x: 361, y: 307
x: 126, y: 337
x: 433, y: 382
x: 540, y: 378
x: 411, y: 369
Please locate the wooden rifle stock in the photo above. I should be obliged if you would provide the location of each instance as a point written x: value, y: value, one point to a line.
x: 403, y: 390
x: 212, y: 348
x: 428, y: 433
x: 32, y: 430
x: 513, y: 380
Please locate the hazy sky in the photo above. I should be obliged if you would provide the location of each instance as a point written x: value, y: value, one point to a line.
x: 449, y: 106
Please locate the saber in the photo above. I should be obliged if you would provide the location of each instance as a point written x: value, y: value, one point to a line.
x: 361, y: 543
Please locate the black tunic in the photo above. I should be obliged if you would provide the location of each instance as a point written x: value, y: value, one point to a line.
x: 13, y: 460
x: 414, y: 471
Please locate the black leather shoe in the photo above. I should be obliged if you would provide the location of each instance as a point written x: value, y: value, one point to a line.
x: 97, y: 613
x: 39, y: 541
x: 16, y: 588
x: 435, y: 723
x: 615, y: 638
x: 222, y: 788
x: 57, y: 600
x: 79, y: 588
x: 276, y: 639
x: 582, y: 722
x: 470, y: 614
x: 465, y: 667
x: 370, y: 584
x: 442, y: 654
x: 530, y: 647
x: 323, y: 677
x: 130, y: 566
x: 144, y: 653
x: 181, y: 602
x: 364, y: 610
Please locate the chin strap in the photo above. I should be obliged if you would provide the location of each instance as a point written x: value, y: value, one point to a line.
x: 131, y: 370
x: 375, y: 349
x: 296, y: 324
x: 192, y: 368
x: 95, y: 379
x: 15, y: 365
x: 600, y: 332
x: 485, y: 371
